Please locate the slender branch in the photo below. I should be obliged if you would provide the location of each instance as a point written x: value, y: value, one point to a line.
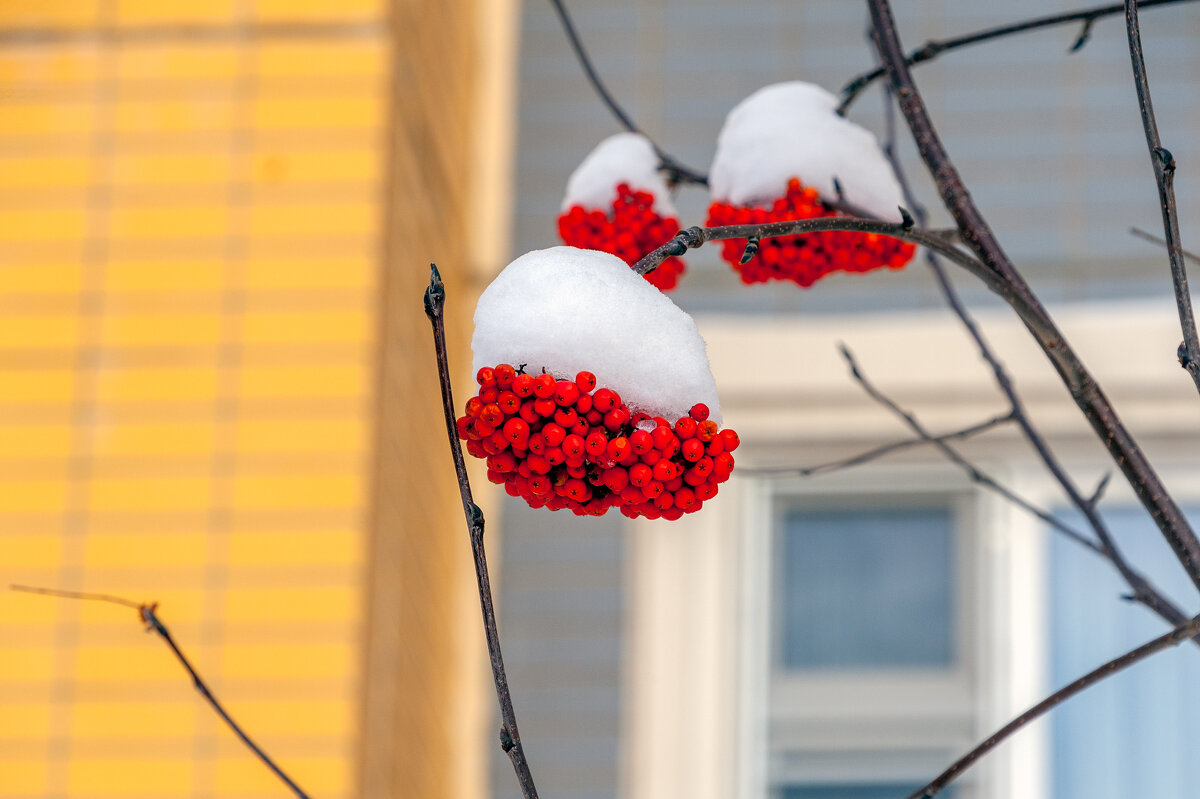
x: 148, y: 614
x: 933, y: 48
x: 878, y: 452
x: 510, y: 737
x: 1173, y: 638
x: 1143, y: 590
x: 1164, y: 176
x: 977, y: 235
x: 972, y: 471
x: 679, y: 173
x: 1141, y: 234
x: 694, y: 237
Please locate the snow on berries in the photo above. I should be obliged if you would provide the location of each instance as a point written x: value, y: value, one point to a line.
x: 783, y: 154
x: 561, y: 443
x: 617, y: 202
x: 594, y: 390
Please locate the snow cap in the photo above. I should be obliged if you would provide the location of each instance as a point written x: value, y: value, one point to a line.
x: 570, y: 310
x: 791, y: 130
x: 621, y: 158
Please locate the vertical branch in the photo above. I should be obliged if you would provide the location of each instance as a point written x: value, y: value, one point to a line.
x: 148, y: 614
x: 510, y: 738
x: 1143, y: 590
x: 978, y: 236
x: 1164, y: 177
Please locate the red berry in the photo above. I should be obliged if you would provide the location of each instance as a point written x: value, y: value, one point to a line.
x: 566, y: 393
x: 699, y: 412
x: 573, y: 446
x: 504, y: 375
x: 486, y: 376
x: 640, y: 474
x: 604, y: 400
x: 685, y: 427
x: 641, y: 441
x: 544, y: 386
x: 692, y: 449
x: 730, y: 440
x: 596, y: 444
x: 554, y: 434
x: 586, y: 381
x: 522, y: 385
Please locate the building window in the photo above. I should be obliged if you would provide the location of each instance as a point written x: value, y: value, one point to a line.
x: 871, y: 678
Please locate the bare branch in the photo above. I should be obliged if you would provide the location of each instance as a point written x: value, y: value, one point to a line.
x: 976, y: 475
x: 1173, y: 638
x: 1164, y: 176
x: 148, y: 614
x: 510, y: 737
x: 932, y: 49
x: 1143, y: 591
x: 878, y: 452
x: 1141, y: 234
x: 1011, y: 287
x: 678, y: 172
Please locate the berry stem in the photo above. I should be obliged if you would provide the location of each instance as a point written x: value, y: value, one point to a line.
x: 510, y: 738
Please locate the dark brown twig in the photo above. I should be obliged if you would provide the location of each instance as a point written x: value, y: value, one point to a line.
x: 510, y: 737
x: 972, y: 471
x: 1143, y: 591
x: 1173, y: 638
x: 1011, y: 286
x: 677, y: 172
x: 932, y: 49
x: 1164, y: 177
x: 694, y: 237
x: 878, y: 452
x: 1142, y: 234
x: 148, y: 614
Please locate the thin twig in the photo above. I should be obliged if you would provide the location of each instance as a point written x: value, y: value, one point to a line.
x: 878, y: 452
x: 1141, y: 234
x: 932, y: 49
x: 694, y: 237
x: 1164, y: 176
x: 1011, y: 287
x: 510, y: 737
x: 1143, y: 590
x: 678, y: 172
x: 972, y: 471
x: 1173, y: 638
x: 148, y: 614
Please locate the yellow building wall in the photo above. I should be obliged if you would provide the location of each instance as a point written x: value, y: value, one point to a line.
x: 190, y: 238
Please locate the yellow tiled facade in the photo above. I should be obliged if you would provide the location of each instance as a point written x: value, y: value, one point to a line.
x: 191, y: 207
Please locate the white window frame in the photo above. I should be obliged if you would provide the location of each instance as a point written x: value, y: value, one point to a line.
x: 695, y: 697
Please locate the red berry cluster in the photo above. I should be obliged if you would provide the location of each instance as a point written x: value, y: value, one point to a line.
x: 804, y: 259
x: 567, y: 444
x: 629, y: 232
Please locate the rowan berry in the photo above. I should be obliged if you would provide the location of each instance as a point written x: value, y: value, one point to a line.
x: 596, y: 443
x: 616, y: 419
x: 486, y: 376
x: 640, y: 474
x: 692, y: 449
x: 566, y: 393
x: 573, y: 446
x: 544, y: 386
x: 504, y: 374
x: 516, y: 431
x: 641, y: 441
x: 554, y: 434
x: 686, y: 427
x: 604, y: 400
x: 699, y: 412
x: 522, y: 385
x: 586, y: 382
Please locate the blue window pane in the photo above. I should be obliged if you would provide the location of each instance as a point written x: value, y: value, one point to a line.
x: 867, y: 588
x: 1135, y: 733
x: 897, y: 790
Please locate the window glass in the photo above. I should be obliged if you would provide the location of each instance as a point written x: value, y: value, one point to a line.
x: 1135, y: 733
x: 866, y: 588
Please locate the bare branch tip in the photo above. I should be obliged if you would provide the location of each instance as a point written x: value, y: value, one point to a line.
x: 435, y: 293
x: 906, y: 219
x: 1085, y: 34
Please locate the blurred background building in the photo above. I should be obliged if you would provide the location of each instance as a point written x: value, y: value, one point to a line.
x: 217, y: 392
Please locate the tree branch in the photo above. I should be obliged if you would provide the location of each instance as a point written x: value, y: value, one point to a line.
x: 510, y: 738
x: 1144, y: 592
x: 977, y: 235
x: 1173, y: 638
x: 148, y: 614
x: 878, y: 452
x: 678, y: 172
x: 932, y: 49
x: 1164, y: 177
